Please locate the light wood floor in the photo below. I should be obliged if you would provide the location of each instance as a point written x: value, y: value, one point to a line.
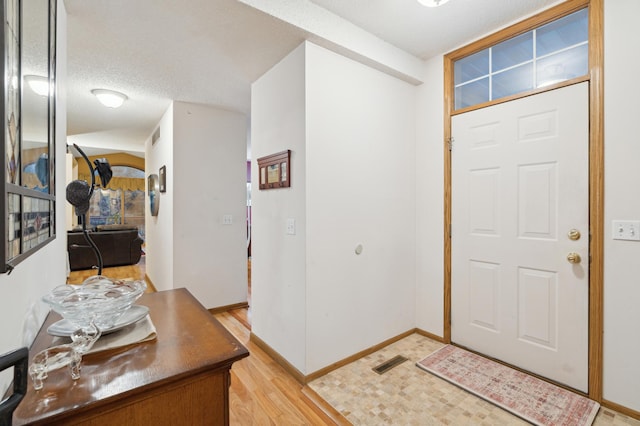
x: 261, y: 392
x: 135, y: 272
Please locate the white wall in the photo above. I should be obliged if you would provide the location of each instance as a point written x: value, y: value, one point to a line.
x: 209, y: 176
x: 159, y: 229
x: 351, y: 130
x: 360, y: 190
x: 21, y: 310
x: 278, y: 261
x: 429, y: 157
x: 622, y: 201
x: 204, y: 151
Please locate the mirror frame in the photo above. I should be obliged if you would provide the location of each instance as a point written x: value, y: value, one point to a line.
x: 27, y: 220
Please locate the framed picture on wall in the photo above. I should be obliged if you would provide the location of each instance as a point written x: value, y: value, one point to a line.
x: 153, y: 189
x: 275, y: 170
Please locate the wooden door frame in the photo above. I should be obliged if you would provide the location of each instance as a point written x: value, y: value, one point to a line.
x: 596, y: 162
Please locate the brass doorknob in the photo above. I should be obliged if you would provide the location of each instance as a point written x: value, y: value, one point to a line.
x: 574, y: 235
x: 573, y: 258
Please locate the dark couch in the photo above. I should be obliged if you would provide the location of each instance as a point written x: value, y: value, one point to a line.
x: 118, y: 246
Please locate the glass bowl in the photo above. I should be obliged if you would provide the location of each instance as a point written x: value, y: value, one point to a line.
x: 98, y: 298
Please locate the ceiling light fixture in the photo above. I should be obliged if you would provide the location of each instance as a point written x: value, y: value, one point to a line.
x: 432, y: 3
x: 39, y: 84
x: 110, y: 98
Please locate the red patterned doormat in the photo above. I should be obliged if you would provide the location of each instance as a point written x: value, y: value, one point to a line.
x: 528, y: 397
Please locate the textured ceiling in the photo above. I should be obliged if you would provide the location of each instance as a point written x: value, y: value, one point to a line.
x: 155, y: 52
x: 426, y: 32
x: 210, y: 51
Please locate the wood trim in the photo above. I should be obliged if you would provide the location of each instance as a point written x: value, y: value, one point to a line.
x: 521, y: 95
x: 621, y: 409
x: 279, y: 359
x: 528, y: 24
x: 226, y: 308
x: 430, y: 335
x: 151, y: 288
x: 322, y: 407
x: 596, y: 197
x: 449, y: 98
x: 302, y: 379
x: 596, y: 165
x: 357, y: 356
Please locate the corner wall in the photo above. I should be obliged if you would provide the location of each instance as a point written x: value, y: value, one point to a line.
x: 360, y: 192
x: 278, y: 260
x: 209, y: 176
x: 351, y: 130
x: 204, y: 151
x: 429, y: 300
x: 159, y: 229
x: 622, y: 202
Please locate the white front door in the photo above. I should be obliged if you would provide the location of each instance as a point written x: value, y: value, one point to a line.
x: 520, y: 186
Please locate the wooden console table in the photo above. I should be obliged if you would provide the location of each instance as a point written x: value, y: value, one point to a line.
x: 182, y: 377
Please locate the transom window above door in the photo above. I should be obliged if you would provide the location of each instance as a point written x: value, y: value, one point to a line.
x: 550, y: 54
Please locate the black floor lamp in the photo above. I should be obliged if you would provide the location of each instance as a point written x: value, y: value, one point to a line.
x: 79, y: 195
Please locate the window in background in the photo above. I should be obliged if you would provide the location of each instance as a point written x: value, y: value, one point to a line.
x: 122, y: 202
x: 134, y: 210
x: 105, y: 207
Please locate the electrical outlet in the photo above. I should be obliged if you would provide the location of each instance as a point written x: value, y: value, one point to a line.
x: 626, y: 230
x: 227, y: 219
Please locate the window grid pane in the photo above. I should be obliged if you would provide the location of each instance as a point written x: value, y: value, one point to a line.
x: 472, y: 67
x: 555, y: 52
x: 473, y: 93
x: 562, y: 66
x: 512, y: 52
x: 513, y: 81
x: 562, y: 33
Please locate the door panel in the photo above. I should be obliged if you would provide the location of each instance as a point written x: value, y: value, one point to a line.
x: 537, y: 321
x: 537, y: 201
x: 519, y: 185
x: 485, y: 291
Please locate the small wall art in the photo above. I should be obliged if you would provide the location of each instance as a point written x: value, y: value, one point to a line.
x: 163, y: 178
x: 275, y: 170
x: 154, y: 194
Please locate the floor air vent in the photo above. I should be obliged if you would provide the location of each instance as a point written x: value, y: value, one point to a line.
x: 388, y: 365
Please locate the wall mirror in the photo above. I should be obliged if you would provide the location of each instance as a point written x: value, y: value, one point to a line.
x: 28, y: 111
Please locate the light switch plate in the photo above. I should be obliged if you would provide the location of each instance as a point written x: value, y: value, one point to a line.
x: 291, y: 226
x: 227, y: 219
x: 626, y: 230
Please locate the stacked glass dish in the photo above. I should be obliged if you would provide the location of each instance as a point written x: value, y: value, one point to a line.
x: 98, y: 298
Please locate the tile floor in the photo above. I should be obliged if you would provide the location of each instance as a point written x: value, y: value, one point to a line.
x: 407, y: 395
